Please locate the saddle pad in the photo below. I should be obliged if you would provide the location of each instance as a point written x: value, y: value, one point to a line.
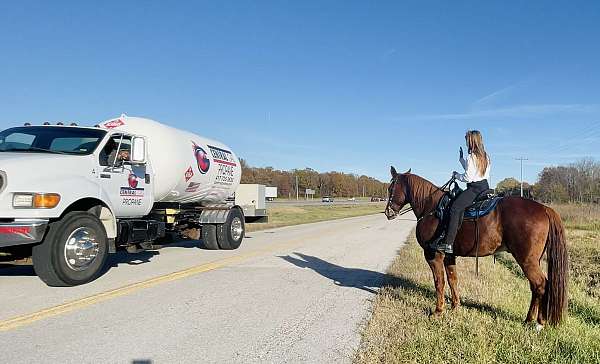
x: 482, y: 208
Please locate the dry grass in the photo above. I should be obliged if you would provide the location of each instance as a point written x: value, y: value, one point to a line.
x: 294, y: 215
x: 489, y: 327
x: 580, y: 217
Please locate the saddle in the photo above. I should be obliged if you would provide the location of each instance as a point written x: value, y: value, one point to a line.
x: 484, y: 204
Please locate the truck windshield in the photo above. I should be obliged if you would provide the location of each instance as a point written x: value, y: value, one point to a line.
x: 50, y: 139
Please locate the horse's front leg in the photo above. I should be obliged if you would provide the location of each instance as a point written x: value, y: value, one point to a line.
x: 451, y: 274
x: 436, y: 263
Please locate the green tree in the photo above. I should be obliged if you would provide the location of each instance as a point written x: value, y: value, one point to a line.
x: 508, y: 186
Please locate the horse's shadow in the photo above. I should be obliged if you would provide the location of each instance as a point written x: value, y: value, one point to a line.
x: 372, y: 281
x: 363, y: 279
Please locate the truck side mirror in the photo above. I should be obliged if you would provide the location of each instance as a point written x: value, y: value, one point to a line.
x: 138, y: 150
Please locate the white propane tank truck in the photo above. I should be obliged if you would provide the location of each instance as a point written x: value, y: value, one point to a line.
x: 70, y: 195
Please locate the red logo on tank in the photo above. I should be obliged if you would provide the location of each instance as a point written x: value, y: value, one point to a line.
x: 189, y: 174
x: 114, y: 124
x: 133, y: 182
x: 201, y: 158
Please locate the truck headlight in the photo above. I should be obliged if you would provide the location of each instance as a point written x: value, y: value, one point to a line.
x: 35, y: 200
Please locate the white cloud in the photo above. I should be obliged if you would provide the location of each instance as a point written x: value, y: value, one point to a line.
x: 534, y: 110
x: 489, y: 99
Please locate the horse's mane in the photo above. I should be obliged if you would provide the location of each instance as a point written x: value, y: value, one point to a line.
x: 422, y: 192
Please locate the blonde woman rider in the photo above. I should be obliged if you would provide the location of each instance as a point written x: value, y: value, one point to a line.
x: 477, y: 172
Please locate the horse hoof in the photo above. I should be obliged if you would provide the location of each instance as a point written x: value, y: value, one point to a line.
x: 436, y: 314
x: 538, y: 327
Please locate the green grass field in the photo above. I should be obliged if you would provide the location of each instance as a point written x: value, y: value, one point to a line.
x: 293, y: 215
x: 489, y: 327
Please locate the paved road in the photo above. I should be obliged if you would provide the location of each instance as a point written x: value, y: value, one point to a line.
x: 295, y: 294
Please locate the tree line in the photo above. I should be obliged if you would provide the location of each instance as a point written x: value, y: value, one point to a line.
x: 575, y: 182
x: 324, y: 184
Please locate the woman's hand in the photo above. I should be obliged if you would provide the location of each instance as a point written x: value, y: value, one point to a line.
x: 455, y: 175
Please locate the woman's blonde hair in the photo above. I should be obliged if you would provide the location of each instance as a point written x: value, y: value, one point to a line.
x: 475, y: 145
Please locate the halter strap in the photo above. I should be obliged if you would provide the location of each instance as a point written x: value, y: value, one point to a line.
x: 409, y: 209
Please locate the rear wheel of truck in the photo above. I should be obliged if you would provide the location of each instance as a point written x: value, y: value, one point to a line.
x: 209, y: 237
x: 231, y: 233
x: 73, y: 252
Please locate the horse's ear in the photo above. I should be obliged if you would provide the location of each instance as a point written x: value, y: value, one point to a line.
x: 393, y: 171
x: 408, y: 172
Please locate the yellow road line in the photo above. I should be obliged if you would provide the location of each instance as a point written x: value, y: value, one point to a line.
x: 23, y: 320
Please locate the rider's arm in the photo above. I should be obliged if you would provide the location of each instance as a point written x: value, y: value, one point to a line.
x: 463, y: 162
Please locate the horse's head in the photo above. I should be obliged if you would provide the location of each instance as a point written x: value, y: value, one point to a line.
x: 397, y: 194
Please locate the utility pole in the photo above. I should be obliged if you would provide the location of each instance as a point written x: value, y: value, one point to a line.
x: 521, y: 159
x: 297, y: 195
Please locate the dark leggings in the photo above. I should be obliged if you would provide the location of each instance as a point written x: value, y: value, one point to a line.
x: 459, y: 205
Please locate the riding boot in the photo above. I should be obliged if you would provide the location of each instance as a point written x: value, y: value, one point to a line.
x: 445, y: 247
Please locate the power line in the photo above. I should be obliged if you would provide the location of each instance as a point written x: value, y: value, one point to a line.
x: 591, y: 130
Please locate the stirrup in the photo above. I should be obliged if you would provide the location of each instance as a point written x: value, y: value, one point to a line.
x: 445, y: 248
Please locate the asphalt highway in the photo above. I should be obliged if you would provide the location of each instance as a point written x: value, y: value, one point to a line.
x: 295, y: 294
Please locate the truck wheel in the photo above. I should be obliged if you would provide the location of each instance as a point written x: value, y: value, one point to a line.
x: 231, y: 233
x: 209, y: 237
x: 73, y: 252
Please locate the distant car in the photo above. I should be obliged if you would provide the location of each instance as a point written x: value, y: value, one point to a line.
x: 327, y: 199
x: 352, y: 199
x: 375, y: 199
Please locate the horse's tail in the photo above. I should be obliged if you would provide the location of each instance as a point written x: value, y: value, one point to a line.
x: 555, y: 295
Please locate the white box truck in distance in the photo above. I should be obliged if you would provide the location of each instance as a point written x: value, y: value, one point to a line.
x: 270, y: 193
x: 70, y: 195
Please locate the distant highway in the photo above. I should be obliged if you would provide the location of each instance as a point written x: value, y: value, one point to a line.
x: 317, y: 202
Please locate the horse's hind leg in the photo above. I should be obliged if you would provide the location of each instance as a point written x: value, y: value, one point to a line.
x: 450, y: 265
x: 537, y: 284
x: 436, y: 263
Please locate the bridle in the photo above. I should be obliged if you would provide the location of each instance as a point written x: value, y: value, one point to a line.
x: 391, y: 204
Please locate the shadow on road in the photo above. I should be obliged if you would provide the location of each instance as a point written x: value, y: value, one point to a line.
x: 371, y: 281
x: 12, y: 270
x: 366, y: 280
x: 122, y: 257
x: 113, y: 260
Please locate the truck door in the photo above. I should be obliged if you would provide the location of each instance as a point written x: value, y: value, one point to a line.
x: 128, y: 186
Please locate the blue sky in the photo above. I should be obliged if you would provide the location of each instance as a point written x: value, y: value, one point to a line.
x: 352, y: 86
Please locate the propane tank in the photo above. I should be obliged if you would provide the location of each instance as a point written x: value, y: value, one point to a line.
x: 186, y: 166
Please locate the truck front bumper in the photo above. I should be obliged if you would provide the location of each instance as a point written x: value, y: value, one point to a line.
x: 22, y: 232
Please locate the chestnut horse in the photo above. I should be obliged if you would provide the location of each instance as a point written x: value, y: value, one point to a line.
x: 523, y: 227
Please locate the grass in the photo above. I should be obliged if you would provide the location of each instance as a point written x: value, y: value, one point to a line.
x: 488, y: 328
x: 583, y: 233
x: 294, y: 215
x: 580, y: 217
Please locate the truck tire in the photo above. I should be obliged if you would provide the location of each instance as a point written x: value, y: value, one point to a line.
x: 73, y: 252
x: 231, y: 233
x: 209, y: 237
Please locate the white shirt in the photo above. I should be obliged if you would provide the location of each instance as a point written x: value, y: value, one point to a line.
x: 471, y: 171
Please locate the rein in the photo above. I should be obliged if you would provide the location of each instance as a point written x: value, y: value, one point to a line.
x: 409, y: 208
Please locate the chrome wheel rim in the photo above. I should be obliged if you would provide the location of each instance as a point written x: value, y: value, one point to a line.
x: 81, y: 249
x: 237, y: 228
